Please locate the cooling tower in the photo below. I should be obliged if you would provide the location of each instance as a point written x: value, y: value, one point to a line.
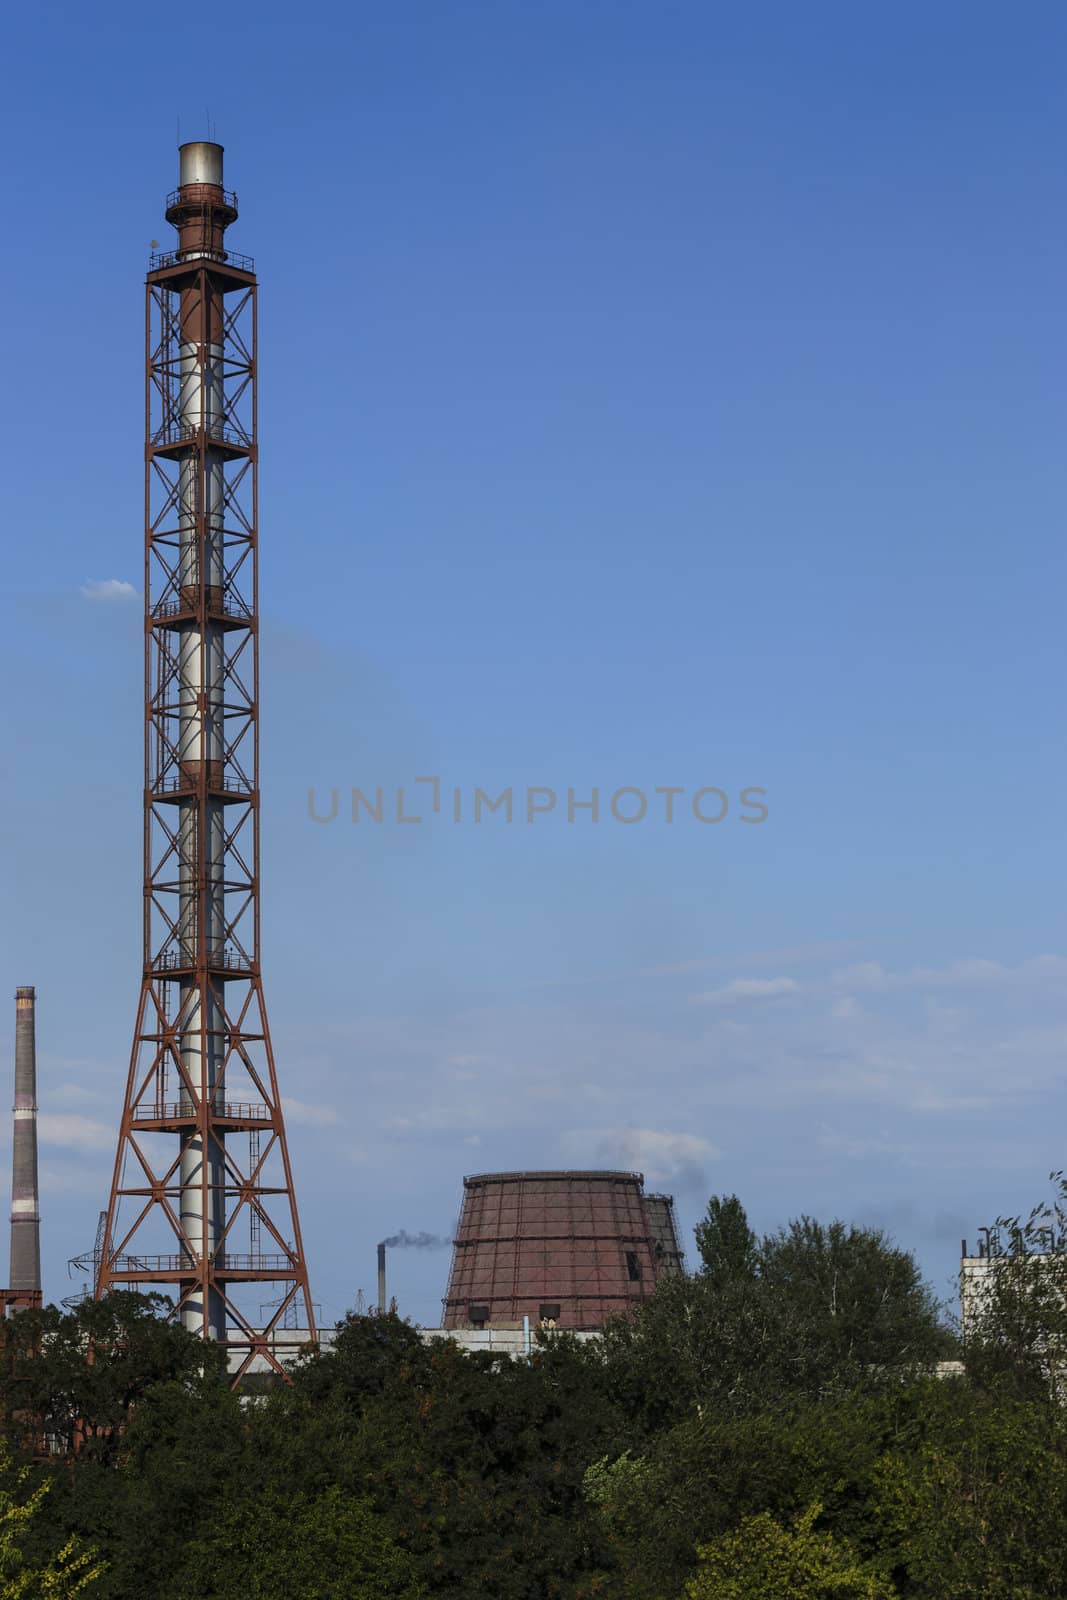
x: 570, y: 1249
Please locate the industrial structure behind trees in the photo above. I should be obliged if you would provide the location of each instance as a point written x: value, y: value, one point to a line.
x: 202, y: 1203
x: 565, y: 1249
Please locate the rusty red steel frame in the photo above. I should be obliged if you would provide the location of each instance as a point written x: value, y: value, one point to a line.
x: 202, y: 1204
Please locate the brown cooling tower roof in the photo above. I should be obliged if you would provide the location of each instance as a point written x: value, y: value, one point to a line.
x: 596, y: 1175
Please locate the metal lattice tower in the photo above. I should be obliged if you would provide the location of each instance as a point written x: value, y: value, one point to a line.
x: 202, y: 1202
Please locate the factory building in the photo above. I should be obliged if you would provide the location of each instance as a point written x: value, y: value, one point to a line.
x: 563, y: 1249
x: 1006, y: 1273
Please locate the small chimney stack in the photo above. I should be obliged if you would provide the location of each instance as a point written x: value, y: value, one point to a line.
x: 25, y: 1263
x: 382, y: 1305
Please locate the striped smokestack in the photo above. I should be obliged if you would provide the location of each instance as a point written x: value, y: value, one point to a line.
x: 25, y: 1274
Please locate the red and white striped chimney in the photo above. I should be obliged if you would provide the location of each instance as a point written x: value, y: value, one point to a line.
x: 25, y: 1267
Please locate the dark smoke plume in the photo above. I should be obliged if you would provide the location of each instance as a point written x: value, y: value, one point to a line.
x: 416, y: 1241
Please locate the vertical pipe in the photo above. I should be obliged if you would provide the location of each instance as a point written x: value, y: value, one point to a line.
x: 201, y: 744
x: 25, y: 1267
x: 381, y: 1280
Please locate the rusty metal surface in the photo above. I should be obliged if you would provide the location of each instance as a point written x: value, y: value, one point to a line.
x: 569, y: 1248
x: 202, y: 1075
x: 660, y: 1209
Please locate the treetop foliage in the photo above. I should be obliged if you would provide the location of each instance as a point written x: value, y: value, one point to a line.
x: 771, y: 1426
x: 761, y: 1560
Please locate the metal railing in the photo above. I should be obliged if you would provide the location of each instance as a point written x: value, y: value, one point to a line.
x: 227, y: 606
x: 180, y: 785
x: 147, y: 1265
x: 173, y: 258
x: 223, y: 958
x: 171, y: 432
x: 231, y: 1110
x: 179, y: 196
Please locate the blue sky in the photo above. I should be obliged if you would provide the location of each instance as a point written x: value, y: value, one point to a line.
x: 651, y: 395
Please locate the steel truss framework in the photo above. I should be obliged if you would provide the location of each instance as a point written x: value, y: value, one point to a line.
x: 201, y: 995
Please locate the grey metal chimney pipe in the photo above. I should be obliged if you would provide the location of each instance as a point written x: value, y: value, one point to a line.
x: 381, y: 1281
x: 25, y: 1266
x: 200, y: 161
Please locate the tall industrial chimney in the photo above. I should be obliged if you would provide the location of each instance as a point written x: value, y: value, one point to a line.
x: 25, y: 1265
x: 202, y: 1203
x: 382, y: 1305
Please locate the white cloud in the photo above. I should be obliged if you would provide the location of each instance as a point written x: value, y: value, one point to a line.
x: 663, y: 1156
x: 796, y: 1050
x: 869, y: 977
x: 448, y: 1117
x: 742, y: 990
x: 944, y: 1018
x: 108, y: 589
x: 309, y: 1116
x: 860, y: 1146
x: 1046, y: 966
x: 1036, y: 1042
x: 73, y: 1094
x: 788, y: 955
x: 74, y: 1131
x: 865, y: 977
x: 75, y: 1179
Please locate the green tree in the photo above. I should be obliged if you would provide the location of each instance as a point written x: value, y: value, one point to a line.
x: 74, y: 1377
x: 367, y: 1357
x: 971, y: 1498
x: 287, y: 1546
x: 186, y: 1451
x: 1015, y: 1326
x: 60, y: 1575
x: 476, y: 1464
x: 787, y: 1373
x: 728, y: 1247
x: 697, y: 1481
x: 761, y: 1560
x: 820, y: 1310
x: 856, y: 1303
